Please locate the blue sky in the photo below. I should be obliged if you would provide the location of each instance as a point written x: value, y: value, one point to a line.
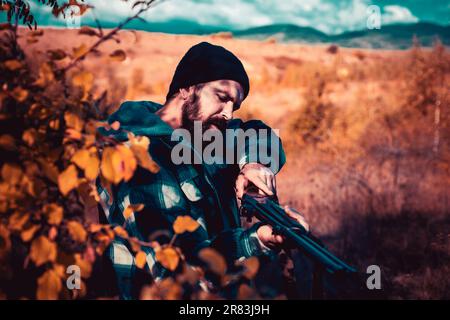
x: 329, y: 16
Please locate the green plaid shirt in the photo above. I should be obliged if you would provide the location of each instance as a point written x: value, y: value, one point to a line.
x: 205, y: 192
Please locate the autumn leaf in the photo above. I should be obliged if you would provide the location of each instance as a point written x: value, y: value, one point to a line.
x: 50, y: 170
x: 139, y: 146
x: 80, y: 51
x: 29, y: 136
x: 68, y: 180
x: 77, y: 231
x: 19, y: 94
x: 88, y: 161
x: 140, y: 259
x: 84, y: 80
x: 54, y: 213
x: 42, y: 250
x: 118, y: 163
x: 168, y: 257
x: 7, y: 142
x: 214, y: 260
x: 118, y: 55
x: 131, y: 209
x: 28, y: 234
x: 13, y: 64
x: 251, y: 266
x: 88, y: 31
x: 46, y: 75
x: 56, y: 54
x: 11, y: 173
x: 49, y: 285
x: 185, y: 223
x: 17, y: 220
x: 121, y: 232
x: 73, y: 121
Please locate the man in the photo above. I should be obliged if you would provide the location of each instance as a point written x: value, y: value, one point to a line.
x: 209, y: 84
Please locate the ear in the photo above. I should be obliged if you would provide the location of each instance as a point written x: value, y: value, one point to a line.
x: 184, y: 93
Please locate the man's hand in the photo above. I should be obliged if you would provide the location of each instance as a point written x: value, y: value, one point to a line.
x: 265, y: 232
x: 257, y: 174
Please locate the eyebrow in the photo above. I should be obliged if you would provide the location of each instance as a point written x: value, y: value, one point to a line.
x: 235, y: 105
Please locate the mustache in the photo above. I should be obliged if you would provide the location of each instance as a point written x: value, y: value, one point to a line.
x: 218, y: 121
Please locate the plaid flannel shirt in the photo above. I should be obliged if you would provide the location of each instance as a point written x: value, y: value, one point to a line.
x: 175, y: 190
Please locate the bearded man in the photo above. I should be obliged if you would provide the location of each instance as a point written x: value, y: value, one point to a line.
x: 208, y: 86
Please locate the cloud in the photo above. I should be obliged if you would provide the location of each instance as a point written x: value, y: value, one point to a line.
x: 396, y: 14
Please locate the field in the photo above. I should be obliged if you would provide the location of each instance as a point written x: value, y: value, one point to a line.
x: 367, y: 136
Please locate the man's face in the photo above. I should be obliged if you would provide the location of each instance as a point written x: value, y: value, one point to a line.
x: 212, y: 103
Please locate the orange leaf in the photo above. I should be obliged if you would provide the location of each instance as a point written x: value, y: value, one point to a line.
x: 13, y: 64
x: 73, y: 121
x: 77, y: 231
x: 129, y: 162
x: 42, y: 250
x: 118, y: 55
x: 17, y: 220
x: 214, y: 260
x: 144, y: 159
x: 68, y: 180
x: 19, y: 94
x: 168, y: 257
x: 27, y: 235
x: 140, y: 259
x: 185, y: 223
x: 29, y: 136
x: 49, y: 285
x: 7, y: 142
x: 121, y: 232
x: 88, y: 161
x: 131, y: 209
x: 46, y: 75
x: 11, y: 173
x: 79, y: 51
x: 54, y: 213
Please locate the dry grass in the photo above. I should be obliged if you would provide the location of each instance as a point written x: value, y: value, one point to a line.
x: 367, y: 138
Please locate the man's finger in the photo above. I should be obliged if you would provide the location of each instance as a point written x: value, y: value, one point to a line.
x: 261, y: 185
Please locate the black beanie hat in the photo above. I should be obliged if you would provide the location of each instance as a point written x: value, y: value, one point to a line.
x: 205, y: 62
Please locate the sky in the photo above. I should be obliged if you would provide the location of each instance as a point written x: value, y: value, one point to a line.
x: 329, y: 16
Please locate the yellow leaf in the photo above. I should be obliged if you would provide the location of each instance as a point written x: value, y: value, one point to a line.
x: 49, y: 285
x: 73, y: 121
x: 84, y: 80
x: 185, y: 223
x: 46, y: 75
x: 88, y: 161
x: 129, y: 162
x: 27, y: 235
x: 11, y: 173
x: 168, y: 257
x: 121, y: 232
x: 29, y: 136
x: 144, y: 159
x: 79, y: 51
x: 131, y: 209
x: 77, y: 231
x: 118, y: 163
x: 251, y: 267
x: 140, y: 259
x: 118, y: 55
x: 19, y: 94
x: 13, y: 64
x: 17, y: 220
x: 54, y: 213
x: 42, y: 250
x: 7, y: 142
x: 68, y: 180
x: 214, y: 260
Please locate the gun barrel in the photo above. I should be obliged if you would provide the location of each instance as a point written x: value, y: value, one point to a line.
x: 273, y: 214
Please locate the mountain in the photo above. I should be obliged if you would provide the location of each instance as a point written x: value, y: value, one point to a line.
x: 395, y: 36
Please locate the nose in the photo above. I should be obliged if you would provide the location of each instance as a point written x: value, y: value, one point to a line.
x: 227, y: 112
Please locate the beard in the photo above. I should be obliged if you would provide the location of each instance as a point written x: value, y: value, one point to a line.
x: 191, y: 113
